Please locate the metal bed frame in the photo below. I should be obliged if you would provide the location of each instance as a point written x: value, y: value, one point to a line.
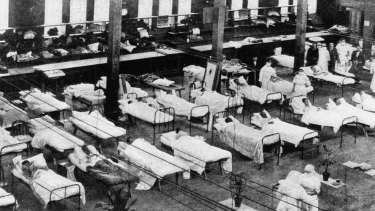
x: 321, y: 82
x: 277, y: 144
x: 96, y: 138
x: 78, y: 195
x: 230, y: 106
x: 106, y: 186
x: 177, y: 174
x: 12, y: 206
x: 165, y: 111
x: 2, y: 174
x: 289, y: 108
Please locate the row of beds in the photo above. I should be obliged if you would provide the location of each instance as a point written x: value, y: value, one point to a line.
x: 239, y: 136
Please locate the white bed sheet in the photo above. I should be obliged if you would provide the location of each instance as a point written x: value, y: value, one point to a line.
x: 96, y: 124
x: 49, y: 134
x: 364, y: 117
x: 6, y: 198
x: 244, y: 139
x: 150, y: 158
x: 196, y: 72
x: 323, y: 117
x: 182, y: 107
x: 41, y: 102
x: 144, y: 112
x: 6, y: 139
x: 255, y: 93
x: 340, y: 80
x: 284, y: 60
x: 216, y: 102
x: 46, y: 181
x: 196, y: 152
x: 288, y: 132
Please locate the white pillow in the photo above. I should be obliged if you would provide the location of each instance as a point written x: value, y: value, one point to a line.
x: 331, y: 105
x: 38, y: 161
x: 93, y: 47
x: 163, y: 82
x: 357, y: 98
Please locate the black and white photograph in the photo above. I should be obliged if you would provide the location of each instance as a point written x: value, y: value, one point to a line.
x: 180, y: 105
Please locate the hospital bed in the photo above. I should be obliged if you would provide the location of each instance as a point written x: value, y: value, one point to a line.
x: 215, y: 101
x: 197, y: 153
x: 153, y: 163
x: 365, y: 118
x: 84, y: 93
x: 10, y: 113
x: 43, y: 103
x: 256, y: 96
x: 289, y: 133
x: 7, y: 200
x: 46, y: 184
x: 328, y: 78
x: 124, y: 89
x: 152, y: 115
x: 97, y: 126
x: 11, y: 145
x: 52, y: 136
x: 247, y: 140
x: 182, y: 107
x: 330, y: 118
x: 294, y: 106
x: 107, y: 172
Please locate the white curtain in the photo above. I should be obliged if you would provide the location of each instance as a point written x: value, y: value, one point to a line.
x: 53, y: 15
x: 253, y: 4
x: 165, y: 8
x: 236, y: 4
x: 101, y: 10
x: 4, y: 15
x: 78, y: 10
x: 184, y: 7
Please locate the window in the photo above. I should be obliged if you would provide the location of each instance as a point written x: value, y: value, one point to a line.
x: 253, y: 4
x: 312, y: 6
x: 145, y: 10
x: 184, y: 7
x: 165, y: 8
x: 53, y: 15
x: 284, y: 10
x: 236, y: 5
x: 78, y: 11
x: 101, y: 10
x: 4, y: 15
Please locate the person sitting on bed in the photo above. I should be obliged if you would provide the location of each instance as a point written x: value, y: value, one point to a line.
x: 308, y: 106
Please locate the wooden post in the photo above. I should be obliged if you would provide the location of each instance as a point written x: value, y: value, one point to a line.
x: 111, y: 105
x: 299, y: 52
x: 218, y: 34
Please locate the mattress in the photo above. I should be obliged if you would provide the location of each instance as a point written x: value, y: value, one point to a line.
x: 182, y: 107
x: 10, y: 113
x: 144, y: 112
x: 325, y: 76
x: 42, y: 103
x: 290, y: 133
x: 284, y: 60
x: 47, y: 181
x: 7, y: 140
x: 97, y: 125
x: 196, y: 152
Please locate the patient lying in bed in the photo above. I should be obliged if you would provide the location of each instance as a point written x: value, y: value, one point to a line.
x: 195, y: 151
x: 89, y: 160
x: 254, y: 93
x: 364, y: 101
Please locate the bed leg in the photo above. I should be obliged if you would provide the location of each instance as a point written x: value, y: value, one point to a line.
x: 204, y: 174
x: 129, y: 190
x: 154, y: 134
x: 341, y: 139
x: 190, y: 126
x: 221, y: 168
x: 318, y: 149
x: 12, y: 183
x: 159, y: 185
x: 75, y: 130
x: 176, y: 175
x: 301, y: 149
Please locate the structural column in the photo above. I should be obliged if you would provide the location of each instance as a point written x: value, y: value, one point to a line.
x: 218, y: 33
x: 113, y: 65
x: 368, y: 30
x: 299, y: 52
